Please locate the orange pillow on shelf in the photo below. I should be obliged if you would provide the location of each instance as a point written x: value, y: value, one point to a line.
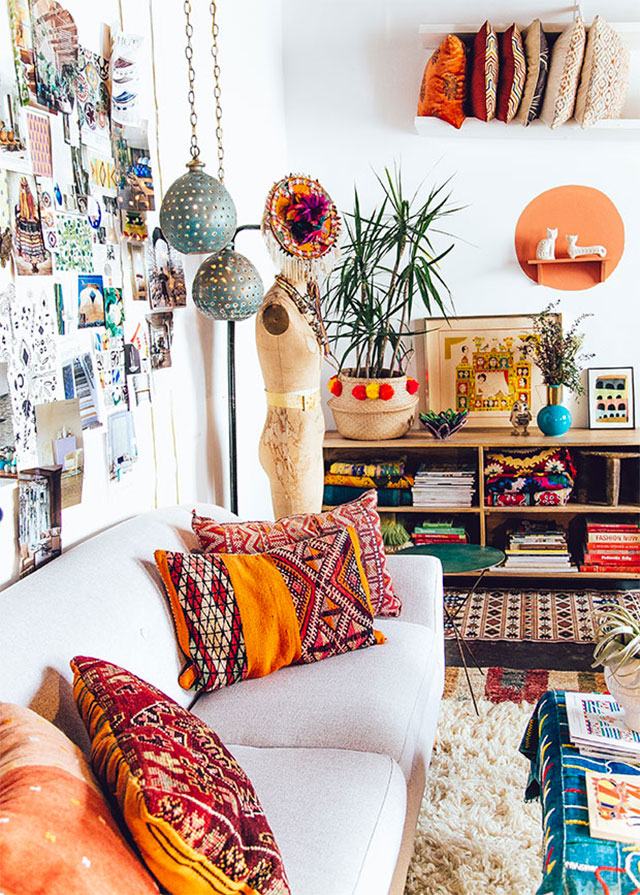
x: 442, y: 92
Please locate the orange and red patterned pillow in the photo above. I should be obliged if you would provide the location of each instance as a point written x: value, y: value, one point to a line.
x: 513, y: 74
x: 240, y: 617
x: 189, y: 806
x: 443, y: 86
x: 260, y: 537
x: 483, y: 88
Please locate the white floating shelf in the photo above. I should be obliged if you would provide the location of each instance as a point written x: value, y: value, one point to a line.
x: 473, y: 128
x: 433, y: 35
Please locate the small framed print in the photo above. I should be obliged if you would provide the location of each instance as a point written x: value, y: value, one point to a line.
x: 611, y: 398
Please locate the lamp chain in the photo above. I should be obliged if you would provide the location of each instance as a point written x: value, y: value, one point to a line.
x: 188, y: 52
x: 216, y: 90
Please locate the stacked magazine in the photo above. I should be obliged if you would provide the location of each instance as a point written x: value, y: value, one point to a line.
x: 446, y: 486
x: 597, y: 728
x: 538, y: 546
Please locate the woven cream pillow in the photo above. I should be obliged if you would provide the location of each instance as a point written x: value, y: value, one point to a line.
x: 562, y: 83
x: 605, y: 75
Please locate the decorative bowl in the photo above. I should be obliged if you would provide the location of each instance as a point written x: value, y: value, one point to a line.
x: 442, y: 425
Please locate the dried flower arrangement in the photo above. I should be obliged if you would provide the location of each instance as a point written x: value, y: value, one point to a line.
x: 557, y: 354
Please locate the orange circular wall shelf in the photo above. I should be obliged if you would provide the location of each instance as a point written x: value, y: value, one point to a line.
x: 572, y: 209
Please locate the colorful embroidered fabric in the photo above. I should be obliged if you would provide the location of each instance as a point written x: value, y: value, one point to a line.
x: 513, y: 72
x: 604, y: 77
x: 58, y: 835
x: 368, y: 481
x: 442, y: 91
x: 301, y: 217
x: 240, y: 616
x: 542, y: 478
x: 260, y: 537
x: 484, y: 73
x: 334, y: 495
x: 536, y: 50
x: 188, y: 804
x: 349, y: 467
x: 573, y: 861
x: 564, y: 72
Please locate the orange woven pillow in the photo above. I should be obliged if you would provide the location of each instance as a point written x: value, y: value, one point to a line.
x: 442, y: 91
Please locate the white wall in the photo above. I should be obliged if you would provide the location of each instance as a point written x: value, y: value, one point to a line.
x: 351, y: 95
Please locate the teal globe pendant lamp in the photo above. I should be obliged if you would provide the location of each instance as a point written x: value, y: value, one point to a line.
x: 197, y: 214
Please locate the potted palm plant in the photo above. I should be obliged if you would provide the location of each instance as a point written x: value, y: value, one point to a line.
x: 389, y: 264
x: 618, y: 649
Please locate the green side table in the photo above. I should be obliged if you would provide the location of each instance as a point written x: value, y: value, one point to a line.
x: 457, y: 559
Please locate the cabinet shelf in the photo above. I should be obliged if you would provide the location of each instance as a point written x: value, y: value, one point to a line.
x: 540, y: 265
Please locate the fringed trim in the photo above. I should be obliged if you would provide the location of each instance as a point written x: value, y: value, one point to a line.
x: 295, y: 268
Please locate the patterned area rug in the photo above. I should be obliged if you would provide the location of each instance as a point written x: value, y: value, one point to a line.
x: 532, y: 615
x: 515, y: 685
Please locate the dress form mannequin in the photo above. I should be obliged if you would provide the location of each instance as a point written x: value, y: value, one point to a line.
x: 291, y: 444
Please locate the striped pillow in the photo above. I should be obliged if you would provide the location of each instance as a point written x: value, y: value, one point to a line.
x: 484, y: 73
x: 513, y: 72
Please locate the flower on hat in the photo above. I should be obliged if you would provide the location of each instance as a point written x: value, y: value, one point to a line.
x: 306, y: 215
x: 359, y: 392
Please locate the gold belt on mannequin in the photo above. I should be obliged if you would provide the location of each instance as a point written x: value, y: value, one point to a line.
x: 305, y: 399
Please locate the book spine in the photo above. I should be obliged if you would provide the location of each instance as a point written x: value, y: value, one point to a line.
x: 614, y: 558
x: 626, y: 537
x: 613, y: 526
x: 607, y: 568
x: 612, y: 547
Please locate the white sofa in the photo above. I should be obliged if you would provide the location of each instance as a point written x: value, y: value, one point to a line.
x: 337, y: 751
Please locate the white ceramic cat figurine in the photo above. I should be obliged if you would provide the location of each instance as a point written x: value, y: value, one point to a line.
x: 546, y: 250
x: 575, y: 251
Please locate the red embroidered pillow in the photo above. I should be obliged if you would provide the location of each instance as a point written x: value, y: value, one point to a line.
x: 260, y: 537
x: 188, y: 804
x: 484, y: 73
x: 238, y: 617
x: 513, y: 73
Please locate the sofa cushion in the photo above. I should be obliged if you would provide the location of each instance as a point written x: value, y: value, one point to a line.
x: 483, y: 86
x: 604, y: 77
x: 349, y: 805
x: 566, y: 62
x: 513, y: 72
x: 57, y: 834
x: 370, y: 700
x: 242, y: 617
x: 188, y: 804
x: 536, y: 50
x: 443, y: 87
x: 260, y: 537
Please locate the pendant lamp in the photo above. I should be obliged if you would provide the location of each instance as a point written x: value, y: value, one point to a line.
x: 197, y: 213
x: 227, y: 286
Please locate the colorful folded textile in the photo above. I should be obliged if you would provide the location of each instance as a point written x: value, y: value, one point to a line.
x: 369, y: 481
x: 390, y: 497
x: 349, y: 467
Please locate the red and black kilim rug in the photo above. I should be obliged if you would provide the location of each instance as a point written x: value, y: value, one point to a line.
x: 516, y: 685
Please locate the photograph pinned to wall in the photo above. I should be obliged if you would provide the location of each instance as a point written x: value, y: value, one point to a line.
x: 139, y: 389
x: 134, y: 226
x: 140, y: 358
x: 55, y: 53
x: 160, y: 338
x: 482, y: 365
x: 39, y: 132
x: 111, y: 216
x: 80, y: 178
x: 13, y: 143
x: 113, y: 311
x: 29, y: 251
x: 46, y: 202
x: 102, y: 173
x: 90, y: 301
x: 58, y: 298
x: 60, y: 443
x: 122, y: 451
x: 139, y: 283
x: 79, y: 379
x: 133, y: 169
x: 94, y: 101
x: 611, y: 398
x: 6, y: 229
x: 167, y: 287
x: 39, y: 517
x: 107, y: 259
x: 126, y: 79
x: 8, y: 457
x: 20, y: 21
x: 108, y: 353
x: 75, y: 243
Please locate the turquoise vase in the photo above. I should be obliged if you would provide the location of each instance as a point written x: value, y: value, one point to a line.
x: 554, y: 419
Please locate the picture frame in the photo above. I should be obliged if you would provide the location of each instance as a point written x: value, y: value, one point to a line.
x: 479, y: 364
x: 611, y: 397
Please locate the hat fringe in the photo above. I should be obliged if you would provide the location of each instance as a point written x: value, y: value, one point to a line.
x: 295, y: 268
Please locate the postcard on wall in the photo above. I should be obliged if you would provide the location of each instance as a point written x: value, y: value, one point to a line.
x: 160, y: 338
x: 482, y: 365
x: 7, y: 435
x: 139, y: 389
x: 108, y: 353
x: 167, y: 287
x: 113, y: 311
x: 14, y: 153
x: 46, y: 201
x: 79, y: 378
x: 29, y: 251
x: 20, y: 19
x: 75, y: 250
x: 134, y: 174
x: 90, y: 301
x: 126, y: 79
x: 40, y: 143
x: 60, y: 443
x: 102, y: 174
x: 139, y: 358
x: 93, y: 101
x: 611, y: 398
x: 39, y: 517
x: 55, y: 54
x: 122, y: 452
x: 139, y: 283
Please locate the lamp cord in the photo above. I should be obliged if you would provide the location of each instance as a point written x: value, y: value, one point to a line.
x: 216, y: 89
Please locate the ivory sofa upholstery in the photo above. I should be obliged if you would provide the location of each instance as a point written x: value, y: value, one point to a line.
x: 337, y: 751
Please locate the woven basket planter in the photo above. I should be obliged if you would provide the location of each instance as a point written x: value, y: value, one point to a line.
x: 373, y: 419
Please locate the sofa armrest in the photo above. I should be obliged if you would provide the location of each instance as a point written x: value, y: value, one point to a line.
x: 417, y: 580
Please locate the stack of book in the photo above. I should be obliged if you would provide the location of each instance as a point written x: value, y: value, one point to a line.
x: 439, y: 533
x: 597, y: 728
x: 446, y: 486
x: 612, y: 547
x: 538, y: 546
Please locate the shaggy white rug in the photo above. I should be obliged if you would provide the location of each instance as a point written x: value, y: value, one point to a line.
x: 476, y: 834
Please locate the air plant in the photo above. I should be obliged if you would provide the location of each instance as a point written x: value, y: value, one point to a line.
x: 617, y: 638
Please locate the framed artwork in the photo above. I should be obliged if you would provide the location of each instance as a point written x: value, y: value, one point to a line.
x: 482, y: 365
x: 610, y: 397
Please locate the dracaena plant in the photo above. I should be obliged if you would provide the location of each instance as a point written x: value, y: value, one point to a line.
x: 389, y: 269
x: 617, y: 638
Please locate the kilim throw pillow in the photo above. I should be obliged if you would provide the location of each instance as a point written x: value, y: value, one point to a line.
x: 513, y: 72
x: 260, y: 537
x: 484, y: 74
x: 188, y: 804
x: 443, y: 87
x: 564, y: 72
x: 604, y: 77
x: 536, y: 50
x: 57, y: 835
x: 238, y: 617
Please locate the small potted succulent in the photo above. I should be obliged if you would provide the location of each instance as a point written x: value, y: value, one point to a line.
x: 389, y: 266
x: 618, y: 650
